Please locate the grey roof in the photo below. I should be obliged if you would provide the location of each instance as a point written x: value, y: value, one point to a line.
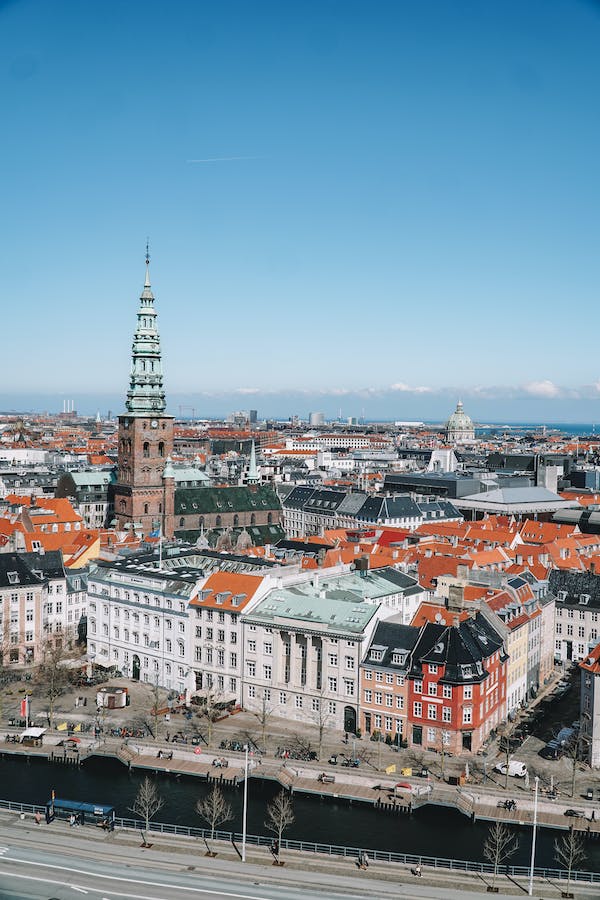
x: 576, y: 585
x: 48, y: 564
x: 15, y: 572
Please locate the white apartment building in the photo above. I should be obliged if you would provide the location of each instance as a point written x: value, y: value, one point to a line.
x: 303, y: 643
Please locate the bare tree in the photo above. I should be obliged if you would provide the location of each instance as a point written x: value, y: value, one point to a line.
x: 569, y: 851
x: 211, y: 710
x: 215, y: 810
x: 51, y: 676
x: 263, y: 715
x: 280, y: 816
x: 499, y: 845
x: 322, y: 719
x: 146, y: 804
x: 155, y: 709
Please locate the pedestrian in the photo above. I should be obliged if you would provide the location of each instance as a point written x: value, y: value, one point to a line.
x: 71, y: 820
x: 37, y: 818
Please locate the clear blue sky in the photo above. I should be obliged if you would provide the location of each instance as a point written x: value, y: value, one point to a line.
x: 407, y: 196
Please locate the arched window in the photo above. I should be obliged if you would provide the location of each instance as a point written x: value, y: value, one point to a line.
x: 145, y: 509
x: 270, y: 518
x: 160, y: 507
x: 253, y: 519
x: 161, y: 448
x: 218, y: 522
x: 236, y: 519
x: 129, y: 445
x: 181, y: 522
x: 122, y: 505
x: 146, y: 449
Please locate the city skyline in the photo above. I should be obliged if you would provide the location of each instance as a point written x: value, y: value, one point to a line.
x: 383, y: 210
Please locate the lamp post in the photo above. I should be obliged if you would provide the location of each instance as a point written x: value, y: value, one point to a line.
x: 535, y: 802
x: 245, y: 811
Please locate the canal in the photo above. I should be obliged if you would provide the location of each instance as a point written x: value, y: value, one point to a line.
x: 431, y: 831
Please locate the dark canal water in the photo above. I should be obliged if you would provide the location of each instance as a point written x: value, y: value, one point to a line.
x: 431, y: 831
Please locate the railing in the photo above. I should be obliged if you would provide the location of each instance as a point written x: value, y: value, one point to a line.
x: 407, y: 859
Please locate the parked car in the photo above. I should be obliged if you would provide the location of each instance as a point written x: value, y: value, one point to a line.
x: 552, y: 750
x: 575, y: 813
x: 516, y: 769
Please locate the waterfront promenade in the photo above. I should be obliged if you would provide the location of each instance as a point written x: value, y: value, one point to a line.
x: 35, y: 856
x: 391, y: 793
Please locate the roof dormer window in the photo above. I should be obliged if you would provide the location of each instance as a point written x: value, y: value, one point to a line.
x: 13, y: 577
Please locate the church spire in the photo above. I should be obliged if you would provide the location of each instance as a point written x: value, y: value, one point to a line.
x: 146, y: 395
x: 252, y: 476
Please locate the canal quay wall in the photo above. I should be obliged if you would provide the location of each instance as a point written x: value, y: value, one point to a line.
x: 382, y: 791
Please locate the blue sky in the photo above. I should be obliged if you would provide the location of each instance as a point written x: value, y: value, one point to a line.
x: 404, y: 209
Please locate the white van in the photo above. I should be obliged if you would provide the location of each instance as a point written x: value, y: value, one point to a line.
x: 516, y: 769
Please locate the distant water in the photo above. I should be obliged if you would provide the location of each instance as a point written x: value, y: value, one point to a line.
x: 566, y: 428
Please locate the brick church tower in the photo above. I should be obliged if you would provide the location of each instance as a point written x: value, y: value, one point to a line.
x: 144, y: 492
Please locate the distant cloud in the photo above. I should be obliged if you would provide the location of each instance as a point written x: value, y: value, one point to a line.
x: 543, y: 389
x: 407, y: 389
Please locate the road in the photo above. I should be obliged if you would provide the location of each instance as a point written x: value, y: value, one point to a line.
x: 56, y: 863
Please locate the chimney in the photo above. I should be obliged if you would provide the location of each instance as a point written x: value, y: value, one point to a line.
x: 592, y: 568
x: 456, y: 597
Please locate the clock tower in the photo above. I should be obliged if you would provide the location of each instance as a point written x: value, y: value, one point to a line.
x: 144, y: 492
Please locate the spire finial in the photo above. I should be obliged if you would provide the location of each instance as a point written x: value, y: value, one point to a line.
x: 147, y: 282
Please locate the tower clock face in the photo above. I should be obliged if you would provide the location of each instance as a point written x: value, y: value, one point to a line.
x: 153, y: 424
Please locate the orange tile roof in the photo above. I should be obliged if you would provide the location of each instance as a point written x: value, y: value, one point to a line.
x: 431, y: 612
x: 233, y: 583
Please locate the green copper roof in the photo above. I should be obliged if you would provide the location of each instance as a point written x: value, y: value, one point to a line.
x: 146, y: 395
x: 198, y: 501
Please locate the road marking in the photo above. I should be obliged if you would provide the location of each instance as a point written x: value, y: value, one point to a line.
x: 81, y: 890
x: 157, y: 884
x: 3, y: 850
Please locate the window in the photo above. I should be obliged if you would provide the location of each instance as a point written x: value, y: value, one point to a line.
x: 332, y: 659
x: 332, y: 685
x: 282, y: 698
x: 331, y: 708
x: 389, y: 699
x: 418, y: 687
x: 251, y: 691
x: 446, y: 714
x: 368, y: 675
x: 252, y: 646
x: 399, y: 702
x: 233, y: 660
x: 267, y: 673
x: 467, y: 715
x: 432, y: 689
x: 431, y: 711
x: 378, y: 698
x: 251, y: 668
x: 400, y: 680
x: 417, y: 709
x: 349, y: 660
x: 468, y: 692
x: 378, y: 676
x: 268, y: 648
x: 348, y: 687
x: 431, y: 735
x: 315, y: 704
x: 433, y: 669
x: 447, y: 692
x: 368, y: 696
x: 298, y: 701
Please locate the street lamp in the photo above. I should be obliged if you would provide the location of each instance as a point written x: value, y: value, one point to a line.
x: 535, y: 802
x: 245, y: 811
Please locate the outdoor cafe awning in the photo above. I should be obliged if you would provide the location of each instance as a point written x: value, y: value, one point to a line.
x: 33, y: 733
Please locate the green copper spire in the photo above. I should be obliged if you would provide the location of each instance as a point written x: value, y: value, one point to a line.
x: 252, y: 476
x: 146, y: 395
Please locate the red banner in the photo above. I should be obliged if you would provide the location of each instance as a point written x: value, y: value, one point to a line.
x: 24, y: 708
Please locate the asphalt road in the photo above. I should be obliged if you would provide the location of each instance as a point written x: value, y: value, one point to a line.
x: 54, y: 864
